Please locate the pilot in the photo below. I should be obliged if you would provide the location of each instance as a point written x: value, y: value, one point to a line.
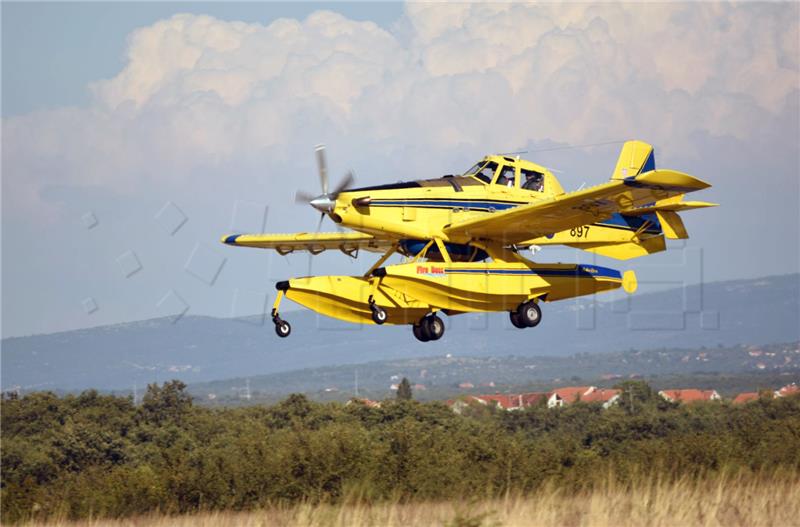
x: 533, y: 180
x: 506, y: 177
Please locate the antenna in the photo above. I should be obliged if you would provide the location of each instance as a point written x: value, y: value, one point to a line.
x: 569, y: 147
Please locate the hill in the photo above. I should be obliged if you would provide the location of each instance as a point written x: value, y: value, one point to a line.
x: 729, y: 370
x: 200, y: 349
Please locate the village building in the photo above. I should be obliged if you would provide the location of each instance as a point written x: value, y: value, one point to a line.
x: 789, y: 389
x: 366, y: 402
x: 503, y: 401
x: 605, y: 396
x: 689, y: 395
x: 745, y: 397
x: 567, y: 395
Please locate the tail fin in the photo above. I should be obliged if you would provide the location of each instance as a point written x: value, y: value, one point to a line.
x: 636, y: 157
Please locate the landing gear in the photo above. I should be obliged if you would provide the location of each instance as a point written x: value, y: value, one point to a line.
x: 528, y: 315
x: 430, y: 327
x: 379, y: 314
x: 417, y: 330
x: 514, y: 316
x: 282, y: 328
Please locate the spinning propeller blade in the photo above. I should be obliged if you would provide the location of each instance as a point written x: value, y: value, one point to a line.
x: 326, y: 201
x: 323, y: 167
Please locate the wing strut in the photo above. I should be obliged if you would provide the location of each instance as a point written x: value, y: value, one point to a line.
x: 389, y: 252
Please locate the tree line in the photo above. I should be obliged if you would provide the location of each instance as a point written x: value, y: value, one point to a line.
x: 99, y: 455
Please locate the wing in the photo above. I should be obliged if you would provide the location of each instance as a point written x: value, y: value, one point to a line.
x: 574, y: 209
x: 347, y: 242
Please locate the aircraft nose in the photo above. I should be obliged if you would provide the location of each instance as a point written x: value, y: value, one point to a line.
x: 323, y: 203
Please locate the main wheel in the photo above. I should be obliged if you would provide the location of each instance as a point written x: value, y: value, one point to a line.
x: 283, y: 329
x: 433, y: 327
x: 421, y: 335
x: 514, y: 316
x: 379, y: 314
x: 529, y: 313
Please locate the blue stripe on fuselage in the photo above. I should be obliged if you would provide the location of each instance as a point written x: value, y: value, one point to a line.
x: 580, y: 271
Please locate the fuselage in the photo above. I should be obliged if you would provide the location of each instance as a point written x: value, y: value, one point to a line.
x: 422, y: 209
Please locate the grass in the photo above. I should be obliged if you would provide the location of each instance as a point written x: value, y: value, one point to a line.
x: 720, y: 501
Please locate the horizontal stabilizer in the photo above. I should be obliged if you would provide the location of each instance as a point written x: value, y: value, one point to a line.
x: 674, y: 204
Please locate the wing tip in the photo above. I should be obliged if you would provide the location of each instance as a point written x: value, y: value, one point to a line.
x: 229, y: 239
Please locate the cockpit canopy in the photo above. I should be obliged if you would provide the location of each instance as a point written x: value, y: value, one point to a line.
x: 508, y: 172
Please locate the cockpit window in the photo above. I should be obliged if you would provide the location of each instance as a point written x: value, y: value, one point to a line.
x: 532, y: 180
x: 474, y: 170
x: 483, y: 171
x: 506, y: 177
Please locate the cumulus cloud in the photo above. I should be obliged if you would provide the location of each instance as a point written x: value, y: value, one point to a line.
x: 199, y: 92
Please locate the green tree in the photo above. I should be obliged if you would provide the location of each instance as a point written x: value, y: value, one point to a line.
x: 168, y: 402
x: 404, y: 390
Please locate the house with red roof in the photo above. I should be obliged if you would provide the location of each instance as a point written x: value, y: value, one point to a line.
x: 789, y: 389
x: 568, y: 395
x: 689, y: 395
x: 533, y: 398
x: 504, y: 401
x: 516, y: 401
x: 366, y: 402
x: 745, y: 397
x: 605, y: 396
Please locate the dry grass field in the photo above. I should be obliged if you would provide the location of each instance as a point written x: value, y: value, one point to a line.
x: 723, y: 501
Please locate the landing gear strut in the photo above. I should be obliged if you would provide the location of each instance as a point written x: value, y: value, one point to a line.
x: 429, y: 327
x: 282, y: 328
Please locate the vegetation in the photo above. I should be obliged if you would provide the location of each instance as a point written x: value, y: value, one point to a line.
x: 92, y: 455
x: 404, y: 390
x: 711, y: 502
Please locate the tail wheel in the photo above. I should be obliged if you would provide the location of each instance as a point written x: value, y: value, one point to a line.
x: 529, y: 313
x: 379, y: 314
x: 282, y: 328
x: 433, y: 327
x: 514, y: 316
x: 421, y: 336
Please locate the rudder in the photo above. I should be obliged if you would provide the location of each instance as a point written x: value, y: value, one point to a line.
x: 636, y: 157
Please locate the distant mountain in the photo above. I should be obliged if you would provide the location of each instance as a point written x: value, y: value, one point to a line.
x: 198, y: 349
x: 440, y: 378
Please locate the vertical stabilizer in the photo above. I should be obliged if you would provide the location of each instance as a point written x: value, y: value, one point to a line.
x: 635, y: 158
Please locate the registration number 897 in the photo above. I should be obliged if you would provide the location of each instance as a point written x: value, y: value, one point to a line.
x: 579, y: 232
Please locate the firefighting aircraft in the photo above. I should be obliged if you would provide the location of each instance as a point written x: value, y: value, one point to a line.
x: 461, y: 236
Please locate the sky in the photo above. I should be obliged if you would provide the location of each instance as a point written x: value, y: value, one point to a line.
x: 135, y: 134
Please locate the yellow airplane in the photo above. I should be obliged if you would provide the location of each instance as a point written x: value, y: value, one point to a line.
x: 461, y: 236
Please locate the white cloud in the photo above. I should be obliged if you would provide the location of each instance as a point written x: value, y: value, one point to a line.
x: 198, y: 92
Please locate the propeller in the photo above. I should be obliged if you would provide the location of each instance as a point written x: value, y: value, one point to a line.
x: 325, y: 203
